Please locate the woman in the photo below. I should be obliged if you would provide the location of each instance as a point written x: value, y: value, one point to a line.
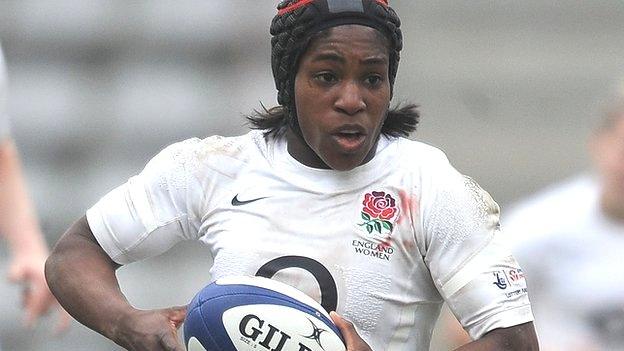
x: 19, y: 226
x: 327, y: 188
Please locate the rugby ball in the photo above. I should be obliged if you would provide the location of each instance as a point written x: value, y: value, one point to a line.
x: 242, y: 313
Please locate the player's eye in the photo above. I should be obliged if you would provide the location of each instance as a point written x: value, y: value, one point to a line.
x: 326, y: 77
x: 374, y: 80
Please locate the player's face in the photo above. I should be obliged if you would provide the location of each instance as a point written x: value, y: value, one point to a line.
x: 342, y: 94
x: 608, y: 152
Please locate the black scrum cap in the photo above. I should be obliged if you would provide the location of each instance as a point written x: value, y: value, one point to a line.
x: 298, y: 20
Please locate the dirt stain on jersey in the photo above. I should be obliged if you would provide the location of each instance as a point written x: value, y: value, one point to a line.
x: 409, y: 205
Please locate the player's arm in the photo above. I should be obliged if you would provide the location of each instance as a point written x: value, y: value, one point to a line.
x: 20, y: 228
x: 82, y: 277
x: 18, y: 223
x: 471, y: 265
x: 519, y: 337
x: 142, y: 218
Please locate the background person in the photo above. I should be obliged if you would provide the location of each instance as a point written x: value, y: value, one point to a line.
x: 569, y: 238
x: 19, y: 226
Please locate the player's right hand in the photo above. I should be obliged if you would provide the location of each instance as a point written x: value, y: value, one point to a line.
x: 151, y: 330
x: 351, y: 337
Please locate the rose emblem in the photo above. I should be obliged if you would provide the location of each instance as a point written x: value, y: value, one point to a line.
x: 379, y: 208
x: 380, y: 205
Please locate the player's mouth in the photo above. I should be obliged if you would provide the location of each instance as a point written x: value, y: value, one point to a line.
x: 349, y: 138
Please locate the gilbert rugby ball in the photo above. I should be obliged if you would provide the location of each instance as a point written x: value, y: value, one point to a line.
x: 242, y: 313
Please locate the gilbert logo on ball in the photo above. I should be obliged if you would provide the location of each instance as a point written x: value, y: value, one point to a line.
x: 242, y: 313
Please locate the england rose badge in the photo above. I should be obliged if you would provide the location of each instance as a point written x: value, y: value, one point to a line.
x: 379, y: 212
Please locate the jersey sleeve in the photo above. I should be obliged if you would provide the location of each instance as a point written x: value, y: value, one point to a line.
x: 469, y: 262
x: 153, y: 210
x: 4, y: 118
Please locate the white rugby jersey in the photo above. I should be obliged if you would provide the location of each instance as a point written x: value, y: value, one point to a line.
x: 384, y: 244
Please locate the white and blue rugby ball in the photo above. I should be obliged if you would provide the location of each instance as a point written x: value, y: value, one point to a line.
x: 242, y: 313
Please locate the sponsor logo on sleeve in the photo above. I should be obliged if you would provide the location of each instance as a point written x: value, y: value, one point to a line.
x: 512, y: 279
x: 500, y: 280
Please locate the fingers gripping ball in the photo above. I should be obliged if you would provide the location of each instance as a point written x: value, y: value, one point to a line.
x: 253, y: 313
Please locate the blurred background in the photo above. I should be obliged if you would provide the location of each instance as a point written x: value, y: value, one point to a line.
x: 509, y: 89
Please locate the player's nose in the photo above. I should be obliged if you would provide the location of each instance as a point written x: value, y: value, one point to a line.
x: 350, y: 99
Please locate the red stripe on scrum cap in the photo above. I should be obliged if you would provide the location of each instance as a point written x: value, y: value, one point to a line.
x: 302, y: 3
x: 294, y: 6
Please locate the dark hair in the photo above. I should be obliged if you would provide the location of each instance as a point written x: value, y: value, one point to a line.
x: 400, y: 121
x: 300, y: 21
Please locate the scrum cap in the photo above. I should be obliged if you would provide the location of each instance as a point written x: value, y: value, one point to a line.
x: 298, y: 20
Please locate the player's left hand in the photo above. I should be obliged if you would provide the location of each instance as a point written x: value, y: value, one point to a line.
x: 352, y: 339
x: 37, y: 300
